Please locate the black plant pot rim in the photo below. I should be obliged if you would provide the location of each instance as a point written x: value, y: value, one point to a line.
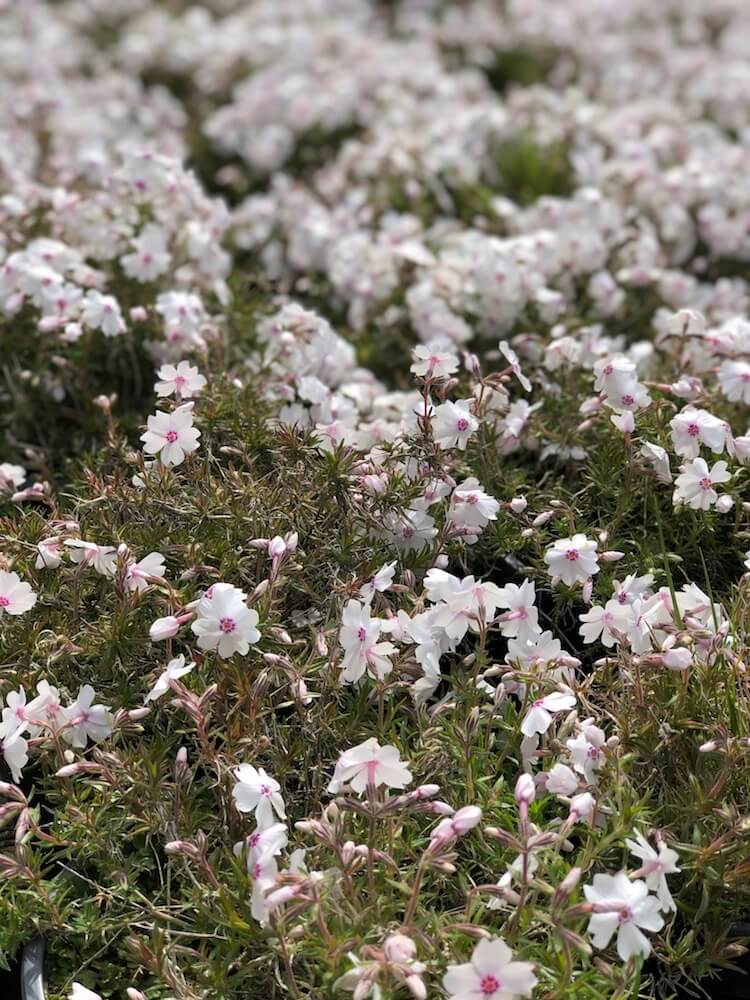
x: 32, y: 970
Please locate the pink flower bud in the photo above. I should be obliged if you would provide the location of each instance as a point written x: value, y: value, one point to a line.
x: 443, y: 833
x: 525, y: 791
x: 276, y: 547
x: 724, y: 504
x: 581, y: 806
x: 416, y: 986
x: 282, y: 895
x: 612, y: 555
x: 518, y: 505
x: 399, y: 948
x: 164, y: 628
x: 440, y: 808
x: 138, y: 314
x: 677, y: 659
x: 466, y: 819
x: 542, y: 518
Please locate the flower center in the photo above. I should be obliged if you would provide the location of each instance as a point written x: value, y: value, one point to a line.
x: 4, y: 601
x: 265, y: 790
x: 171, y: 436
x: 472, y: 498
x: 572, y: 554
x: 705, y: 483
x: 628, y: 400
x: 463, y: 424
x: 624, y: 915
x: 361, y: 633
x: 693, y: 430
x: 489, y: 985
x: 227, y: 625
x: 179, y: 381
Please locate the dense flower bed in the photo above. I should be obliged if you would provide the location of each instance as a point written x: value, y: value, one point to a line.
x: 374, y: 605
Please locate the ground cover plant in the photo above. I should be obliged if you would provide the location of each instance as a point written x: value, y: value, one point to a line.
x: 374, y: 494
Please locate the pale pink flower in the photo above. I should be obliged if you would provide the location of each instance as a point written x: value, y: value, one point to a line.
x: 359, y: 639
x: 224, y: 622
x: 539, y: 717
x: 103, y: 558
x: 85, y: 720
x: 453, y: 424
x: 16, y: 596
x: 622, y: 907
x: 433, y: 363
x: 572, y: 559
x: 656, y: 866
x: 175, y: 669
x: 369, y: 764
x: 49, y: 553
x: 695, y: 484
x: 258, y: 792
x: 137, y: 576
x: 491, y: 974
x: 182, y: 380
x: 171, y: 436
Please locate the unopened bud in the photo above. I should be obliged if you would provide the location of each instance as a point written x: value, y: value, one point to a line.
x: 164, y: 628
x: 525, y: 790
x: 399, y: 948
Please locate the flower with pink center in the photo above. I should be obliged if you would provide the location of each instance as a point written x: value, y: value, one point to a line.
x: 138, y: 575
x: 379, y: 583
x: 358, y: 637
x: 224, y: 622
x: 657, y: 864
x: 587, y: 750
x: 258, y: 792
x: 607, y: 624
x: 182, y: 380
x: 84, y: 720
x: 21, y: 716
x: 622, y: 907
x: 521, y: 620
x: 171, y: 436
x: 694, y: 427
x: 102, y: 312
x: 453, y: 424
x: 432, y: 363
x: 491, y: 973
x: 369, y: 764
x: 16, y: 596
x: 572, y: 559
x: 471, y: 509
x: 695, y: 484
x: 539, y: 717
